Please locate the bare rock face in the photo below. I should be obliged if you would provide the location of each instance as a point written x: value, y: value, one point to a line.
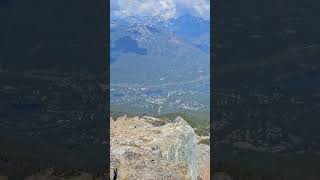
x: 204, y: 157
x: 148, y: 149
x: 204, y: 161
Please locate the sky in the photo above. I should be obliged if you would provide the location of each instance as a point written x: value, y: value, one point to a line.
x: 167, y: 9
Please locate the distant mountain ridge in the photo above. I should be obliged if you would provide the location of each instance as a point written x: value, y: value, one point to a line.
x: 156, y: 68
x: 153, y: 44
x: 193, y: 30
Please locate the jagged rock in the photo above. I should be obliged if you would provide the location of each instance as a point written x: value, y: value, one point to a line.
x: 144, y: 150
x: 204, y: 161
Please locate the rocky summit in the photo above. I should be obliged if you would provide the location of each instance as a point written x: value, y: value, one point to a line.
x: 149, y: 148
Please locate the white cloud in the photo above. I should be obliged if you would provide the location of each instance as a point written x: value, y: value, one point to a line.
x: 199, y: 8
x: 164, y: 8
x: 202, y: 7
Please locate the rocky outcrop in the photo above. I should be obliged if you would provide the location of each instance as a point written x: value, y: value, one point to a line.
x: 204, y: 161
x: 148, y: 148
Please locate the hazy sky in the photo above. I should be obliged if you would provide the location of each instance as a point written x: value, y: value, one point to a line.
x: 164, y: 8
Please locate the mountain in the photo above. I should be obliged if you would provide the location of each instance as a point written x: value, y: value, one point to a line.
x: 194, y: 29
x: 151, y: 63
x: 137, y: 46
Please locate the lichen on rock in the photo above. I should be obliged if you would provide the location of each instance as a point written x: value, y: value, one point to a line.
x: 146, y: 148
